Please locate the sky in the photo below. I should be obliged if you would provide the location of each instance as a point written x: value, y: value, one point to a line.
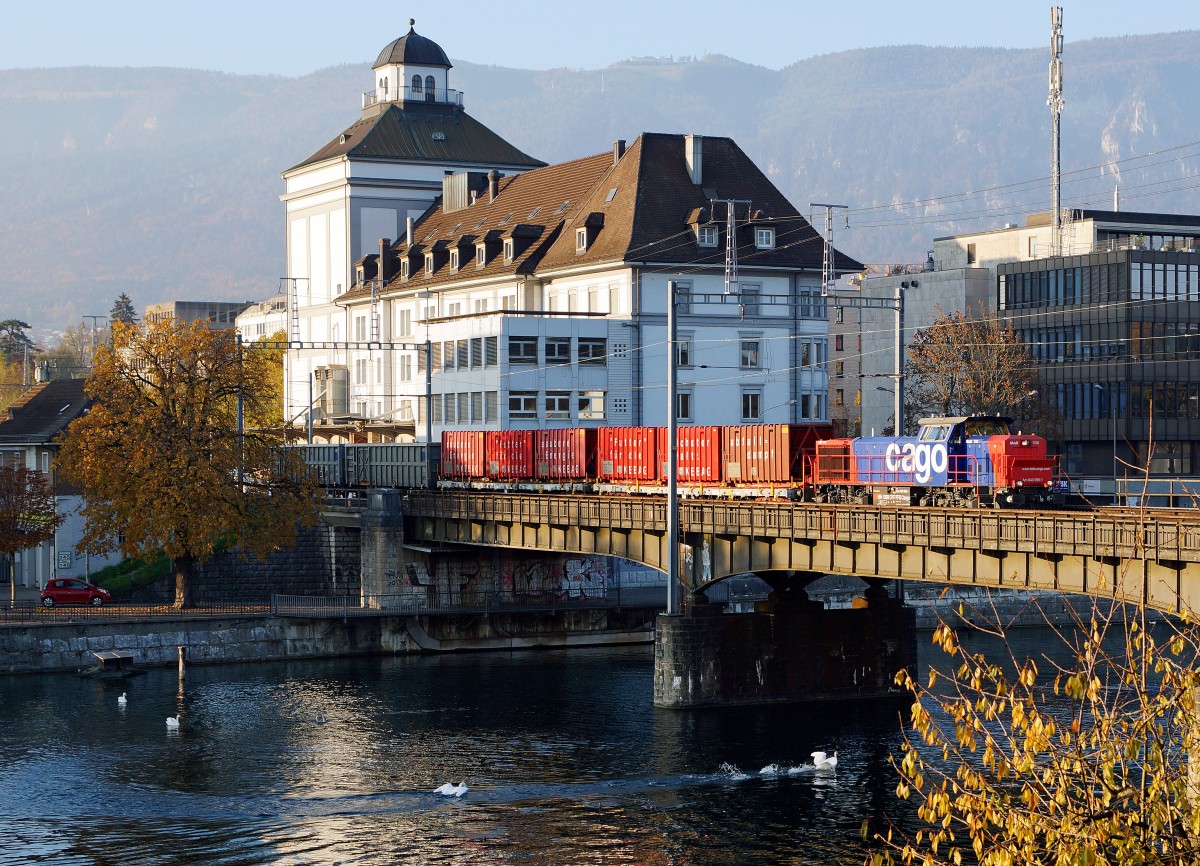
x: 298, y: 37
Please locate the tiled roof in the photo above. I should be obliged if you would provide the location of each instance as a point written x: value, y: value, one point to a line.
x: 42, y: 412
x: 637, y: 210
x: 423, y: 132
x: 532, y: 199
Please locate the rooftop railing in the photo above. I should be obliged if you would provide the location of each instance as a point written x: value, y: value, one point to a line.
x: 445, y: 96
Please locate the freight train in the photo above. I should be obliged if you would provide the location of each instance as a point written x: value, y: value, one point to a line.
x: 964, y: 461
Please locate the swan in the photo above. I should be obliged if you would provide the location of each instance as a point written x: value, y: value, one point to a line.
x: 319, y: 718
x: 448, y: 790
x: 122, y: 701
x: 824, y: 762
x: 172, y: 723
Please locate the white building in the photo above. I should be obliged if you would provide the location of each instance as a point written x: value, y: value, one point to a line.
x: 263, y: 320
x: 539, y: 294
x: 362, y: 188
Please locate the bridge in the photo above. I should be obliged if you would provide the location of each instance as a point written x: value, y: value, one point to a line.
x: 792, y: 648
x: 1146, y: 556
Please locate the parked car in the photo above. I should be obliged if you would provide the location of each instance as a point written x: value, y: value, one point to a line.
x: 72, y: 590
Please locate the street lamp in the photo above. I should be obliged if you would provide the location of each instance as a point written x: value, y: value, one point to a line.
x: 1112, y: 407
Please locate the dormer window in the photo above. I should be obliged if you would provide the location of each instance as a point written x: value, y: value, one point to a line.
x: 581, y: 240
x: 508, y: 250
x: 404, y: 268
x: 429, y: 263
x: 764, y: 238
x: 454, y: 260
x: 706, y: 236
x: 480, y: 255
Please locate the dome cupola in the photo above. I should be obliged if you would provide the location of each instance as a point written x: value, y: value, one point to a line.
x: 411, y: 69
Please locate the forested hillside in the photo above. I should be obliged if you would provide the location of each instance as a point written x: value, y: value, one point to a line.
x: 164, y: 183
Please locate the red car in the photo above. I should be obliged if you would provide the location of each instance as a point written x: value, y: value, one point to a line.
x: 71, y: 590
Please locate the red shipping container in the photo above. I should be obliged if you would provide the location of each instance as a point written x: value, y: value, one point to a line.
x: 462, y: 454
x: 770, y: 453
x: 630, y: 454
x: 698, y: 456
x: 569, y: 453
x: 509, y: 453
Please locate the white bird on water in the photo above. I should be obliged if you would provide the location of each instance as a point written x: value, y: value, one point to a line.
x: 122, y: 701
x: 172, y: 723
x: 824, y: 762
x: 448, y: 790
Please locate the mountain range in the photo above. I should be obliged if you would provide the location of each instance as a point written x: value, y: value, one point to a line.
x: 164, y: 183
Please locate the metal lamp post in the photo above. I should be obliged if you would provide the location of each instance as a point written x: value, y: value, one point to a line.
x: 672, y: 460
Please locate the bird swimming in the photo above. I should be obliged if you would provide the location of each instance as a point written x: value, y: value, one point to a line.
x: 824, y: 762
x: 122, y: 701
x: 448, y: 790
x: 172, y: 723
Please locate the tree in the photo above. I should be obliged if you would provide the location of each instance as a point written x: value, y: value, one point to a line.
x: 11, y: 384
x: 14, y: 342
x: 122, y: 311
x: 1086, y: 760
x: 160, y: 458
x: 963, y: 365
x: 28, y: 512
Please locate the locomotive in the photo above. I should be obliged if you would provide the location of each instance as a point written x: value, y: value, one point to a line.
x: 966, y: 461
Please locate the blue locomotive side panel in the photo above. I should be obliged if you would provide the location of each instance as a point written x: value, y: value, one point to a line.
x: 903, y: 460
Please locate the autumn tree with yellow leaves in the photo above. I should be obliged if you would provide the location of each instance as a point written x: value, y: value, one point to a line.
x: 1089, y: 759
x: 163, y: 461
x: 28, y: 512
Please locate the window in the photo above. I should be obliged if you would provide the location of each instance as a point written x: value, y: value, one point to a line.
x: 683, y: 352
x: 591, y: 404
x: 480, y: 255
x: 751, y: 295
x: 764, y: 239
x: 454, y: 260
x: 430, y: 88
x: 491, y: 406
x: 522, y: 404
x: 751, y: 405
x: 706, y: 236
x: 477, y: 407
x: 522, y: 350
x: 464, y: 412
x: 558, y: 404
x: 840, y: 316
x: 971, y: 254
x: 491, y: 350
x: 593, y: 350
x: 839, y: 397
x: 448, y: 355
x: 477, y: 351
x: 360, y: 371
x: 508, y: 250
x: 481, y: 305
x: 464, y: 354
x: 683, y: 296
x: 360, y: 328
x: 436, y: 417
x: 837, y: 343
x: 750, y: 358
x: 683, y: 405
x: 558, y: 350
x: 404, y: 325
x: 406, y: 370
x: 416, y: 84
x: 839, y: 369
x: 581, y: 240
x: 429, y: 263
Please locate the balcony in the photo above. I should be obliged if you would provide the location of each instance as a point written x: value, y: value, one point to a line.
x: 444, y: 96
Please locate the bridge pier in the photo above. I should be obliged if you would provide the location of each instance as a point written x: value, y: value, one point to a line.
x: 792, y: 649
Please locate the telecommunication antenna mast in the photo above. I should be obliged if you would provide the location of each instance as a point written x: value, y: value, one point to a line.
x: 1055, y: 102
x: 827, y: 250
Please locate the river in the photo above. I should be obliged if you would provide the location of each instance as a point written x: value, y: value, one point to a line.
x: 336, y: 762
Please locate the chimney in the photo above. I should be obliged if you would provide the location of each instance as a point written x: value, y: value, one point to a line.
x: 408, y: 232
x: 384, y: 245
x: 493, y: 184
x: 693, y: 153
x: 618, y: 150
